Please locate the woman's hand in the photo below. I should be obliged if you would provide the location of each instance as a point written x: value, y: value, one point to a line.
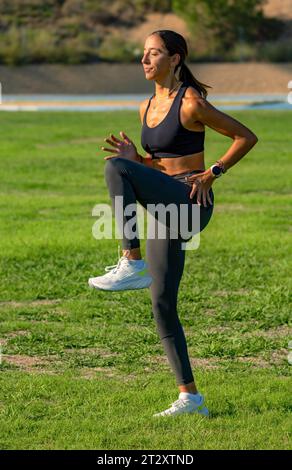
x: 122, y: 148
x: 201, y: 184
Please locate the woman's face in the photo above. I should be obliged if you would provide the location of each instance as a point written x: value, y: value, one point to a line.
x: 156, y: 60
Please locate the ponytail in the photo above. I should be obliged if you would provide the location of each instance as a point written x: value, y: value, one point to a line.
x: 186, y: 76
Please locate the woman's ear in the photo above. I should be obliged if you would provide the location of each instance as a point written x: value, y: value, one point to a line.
x: 177, y: 59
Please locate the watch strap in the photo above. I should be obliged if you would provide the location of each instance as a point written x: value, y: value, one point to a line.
x: 221, y: 164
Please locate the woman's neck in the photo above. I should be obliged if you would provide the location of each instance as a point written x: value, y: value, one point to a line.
x: 164, y: 92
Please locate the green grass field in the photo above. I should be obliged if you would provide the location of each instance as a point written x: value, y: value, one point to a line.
x: 83, y: 369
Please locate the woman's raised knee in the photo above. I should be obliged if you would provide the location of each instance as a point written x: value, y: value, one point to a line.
x: 115, y: 164
x: 110, y: 167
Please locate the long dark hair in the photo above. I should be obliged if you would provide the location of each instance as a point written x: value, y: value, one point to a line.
x: 176, y: 44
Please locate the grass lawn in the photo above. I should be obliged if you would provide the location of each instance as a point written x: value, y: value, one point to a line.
x: 83, y: 369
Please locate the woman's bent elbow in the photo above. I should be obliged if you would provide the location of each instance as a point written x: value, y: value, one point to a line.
x: 249, y: 138
x: 252, y: 139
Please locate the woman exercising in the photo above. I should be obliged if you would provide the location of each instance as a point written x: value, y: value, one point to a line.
x: 172, y: 173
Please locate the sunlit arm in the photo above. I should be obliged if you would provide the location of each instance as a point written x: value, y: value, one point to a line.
x: 240, y: 147
x: 243, y: 138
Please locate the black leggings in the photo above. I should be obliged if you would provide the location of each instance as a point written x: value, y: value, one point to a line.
x: 165, y: 256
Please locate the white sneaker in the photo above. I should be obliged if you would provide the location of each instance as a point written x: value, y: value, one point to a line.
x: 126, y: 275
x: 185, y: 404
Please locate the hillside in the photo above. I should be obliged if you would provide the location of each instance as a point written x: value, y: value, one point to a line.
x: 90, y: 31
x: 281, y: 9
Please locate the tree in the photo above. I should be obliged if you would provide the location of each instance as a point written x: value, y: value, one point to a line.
x: 227, y: 21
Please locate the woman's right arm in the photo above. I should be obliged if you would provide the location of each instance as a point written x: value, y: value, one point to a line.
x: 126, y: 148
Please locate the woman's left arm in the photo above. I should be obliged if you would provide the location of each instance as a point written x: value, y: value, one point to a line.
x: 243, y: 140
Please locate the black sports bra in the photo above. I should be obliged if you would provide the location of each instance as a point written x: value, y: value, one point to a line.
x: 169, y: 138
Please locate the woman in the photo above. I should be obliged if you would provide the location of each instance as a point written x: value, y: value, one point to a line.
x: 172, y: 172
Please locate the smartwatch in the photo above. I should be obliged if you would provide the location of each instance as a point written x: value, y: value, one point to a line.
x: 216, y: 171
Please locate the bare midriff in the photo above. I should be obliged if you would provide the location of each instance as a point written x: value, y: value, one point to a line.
x: 176, y: 165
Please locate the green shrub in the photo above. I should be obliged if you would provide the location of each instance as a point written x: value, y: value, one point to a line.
x: 75, y: 50
x: 116, y: 48
x: 10, y: 46
x: 21, y: 46
x: 276, y: 51
x: 242, y: 52
x: 228, y: 30
x: 40, y: 45
x: 202, y: 48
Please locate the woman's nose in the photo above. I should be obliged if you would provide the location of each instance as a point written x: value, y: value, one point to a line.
x: 144, y: 58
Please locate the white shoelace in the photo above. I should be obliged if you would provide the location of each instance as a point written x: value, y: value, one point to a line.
x: 115, y: 267
x: 174, y: 406
x: 178, y: 404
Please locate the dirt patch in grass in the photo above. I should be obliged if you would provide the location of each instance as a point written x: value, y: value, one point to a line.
x: 13, y: 334
x: 277, y: 332
x: 47, y: 364
x: 226, y: 293
x: 208, y: 363
x: 210, y: 312
x: 32, y: 303
x: 94, y: 351
x: 273, y: 333
x: 108, y: 372
x: 232, y: 207
x: 25, y: 361
x: 219, y: 329
x: 43, y: 365
x: 32, y: 364
x: 276, y: 358
x: 92, y: 372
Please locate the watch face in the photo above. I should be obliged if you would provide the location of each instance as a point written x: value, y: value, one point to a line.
x: 216, y: 170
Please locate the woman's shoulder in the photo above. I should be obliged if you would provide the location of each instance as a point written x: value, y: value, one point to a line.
x: 192, y: 94
x: 142, y: 108
x: 192, y: 100
x: 144, y: 103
